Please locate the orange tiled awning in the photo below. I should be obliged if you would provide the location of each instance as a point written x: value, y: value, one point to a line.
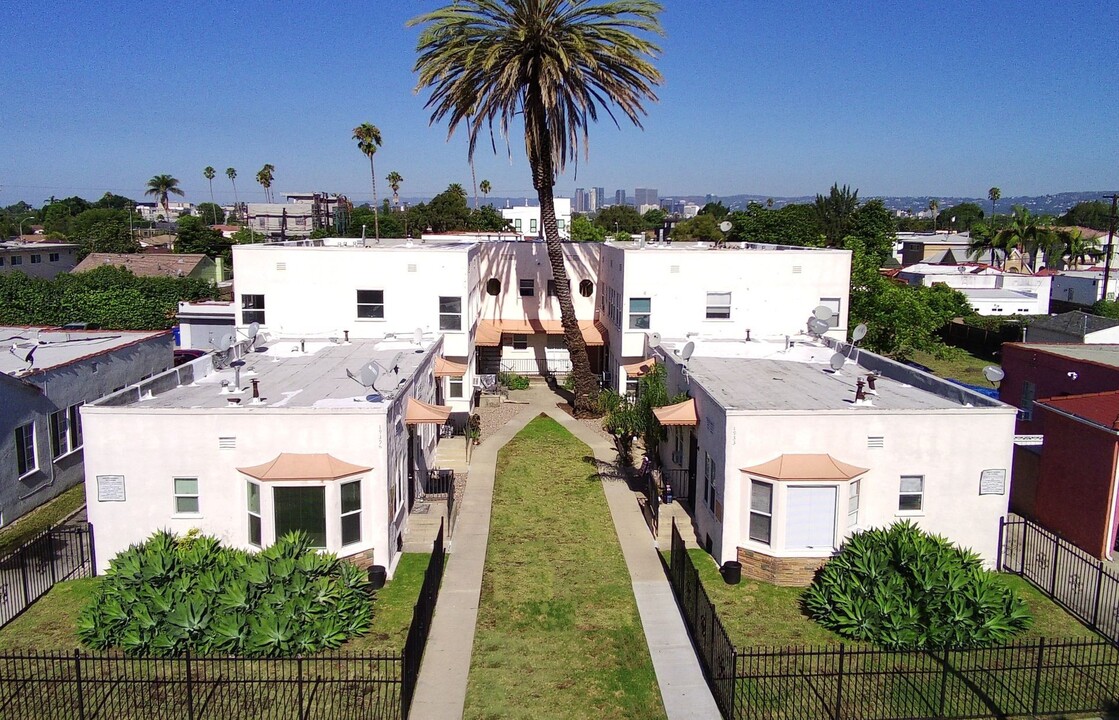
x: 303, y: 466
x: 639, y: 368
x: 490, y: 331
x: 806, y: 467
x: 679, y: 414
x: 417, y: 412
x: 446, y: 368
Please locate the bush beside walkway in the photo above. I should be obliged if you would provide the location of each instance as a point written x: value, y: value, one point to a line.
x: 558, y: 631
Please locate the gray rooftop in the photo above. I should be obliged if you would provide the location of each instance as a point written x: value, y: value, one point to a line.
x: 288, y: 377
x: 53, y: 347
x: 1103, y: 354
x: 366, y: 244
x: 701, y: 246
x: 995, y: 293
x: 1075, y: 322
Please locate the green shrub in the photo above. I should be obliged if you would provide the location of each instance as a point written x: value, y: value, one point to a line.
x: 513, y: 381
x: 171, y: 594
x: 902, y: 588
x: 568, y: 383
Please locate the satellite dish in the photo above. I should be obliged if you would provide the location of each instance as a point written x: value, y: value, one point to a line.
x: 823, y: 312
x: 818, y: 327
x: 689, y: 348
x: 859, y: 333
x: 993, y: 374
x: 961, y: 269
x: 369, y: 374
x: 418, y: 336
x: 254, y: 329
x: 725, y: 226
x: 837, y: 361
x: 654, y: 339
x: 223, y: 343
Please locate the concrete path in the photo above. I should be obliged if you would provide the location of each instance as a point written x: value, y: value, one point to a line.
x: 441, y: 688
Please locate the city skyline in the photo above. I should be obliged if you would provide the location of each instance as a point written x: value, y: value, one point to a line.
x: 779, y: 101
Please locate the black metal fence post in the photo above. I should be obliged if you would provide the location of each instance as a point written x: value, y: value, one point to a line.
x: 1002, y: 529
x: 23, y: 575
x: 839, y: 683
x: 1056, y: 559
x: 1099, y: 593
x: 78, y: 682
x: 92, y: 552
x: 943, y: 680
x: 189, y: 688
x: 299, y: 671
x: 52, y: 560
x: 1037, y: 674
x: 1022, y: 539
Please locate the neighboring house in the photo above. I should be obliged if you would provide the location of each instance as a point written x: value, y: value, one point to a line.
x: 151, y: 211
x: 990, y: 291
x: 525, y: 219
x: 1073, y: 327
x: 159, y: 265
x: 46, y: 375
x: 284, y: 442
x: 944, y: 247
x: 1083, y: 288
x: 298, y: 217
x: 1077, y: 495
x: 38, y: 259
x: 779, y: 458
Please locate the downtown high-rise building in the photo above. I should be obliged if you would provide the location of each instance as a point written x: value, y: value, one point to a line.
x: 599, y: 198
x: 580, y: 203
x: 619, y: 197
x: 645, y: 196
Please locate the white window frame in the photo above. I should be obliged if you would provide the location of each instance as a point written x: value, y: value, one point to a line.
x: 634, y: 322
x: 854, y: 488
x: 519, y: 341
x: 526, y: 287
x: 710, y: 477
x: 343, y: 513
x: 834, y: 304
x: 17, y: 260
x: 767, y: 513
x: 36, y: 258
x: 715, y: 308
x: 249, y: 487
x: 452, y: 383
x: 60, y: 433
x: 919, y: 494
x: 186, y: 496
x: 533, y: 223
x: 373, y: 310
x: 250, y: 313
x: 26, y: 446
x: 53, y: 257
x: 445, y: 317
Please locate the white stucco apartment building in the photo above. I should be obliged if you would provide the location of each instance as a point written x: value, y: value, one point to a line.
x: 287, y: 441
x: 780, y: 459
x: 525, y: 219
x: 989, y: 291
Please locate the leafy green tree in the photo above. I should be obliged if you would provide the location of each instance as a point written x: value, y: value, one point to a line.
x: 701, y: 227
x: 81, y: 225
x: 211, y: 213
x: 109, y: 235
x: 654, y: 219
x: 58, y: 214
x: 209, y: 173
x: 717, y: 209
x: 1106, y: 308
x: 159, y: 187
x: 195, y: 236
x: 486, y: 188
x: 448, y: 211
x: 873, y: 224
x: 583, y: 230
x: 963, y: 216
x: 790, y: 225
x: 1094, y: 214
x: 1079, y: 248
x: 836, y: 211
x: 488, y: 219
x: 550, y: 64
x: 246, y: 236
x: 620, y: 218
x: 368, y: 138
x: 115, y: 202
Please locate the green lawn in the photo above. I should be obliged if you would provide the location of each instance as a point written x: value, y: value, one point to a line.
x: 41, y: 518
x: 50, y: 623
x: 558, y: 632
x: 759, y: 614
x: 959, y: 366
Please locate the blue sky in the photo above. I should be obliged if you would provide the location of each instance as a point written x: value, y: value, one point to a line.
x: 773, y: 98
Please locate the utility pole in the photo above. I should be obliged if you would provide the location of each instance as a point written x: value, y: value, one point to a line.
x: 1110, y: 237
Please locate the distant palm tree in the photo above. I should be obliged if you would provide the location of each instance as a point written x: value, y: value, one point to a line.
x: 994, y: 194
x: 209, y: 173
x: 551, y: 64
x: 934, y: 207
x: 368, y: 140
x: 159, y: 187
x: 231, y: 173
x: 1078, y: 248
x: 1021, y: 234
x: 395, y: 179
x: 485, y: 187
x: 264, y: 177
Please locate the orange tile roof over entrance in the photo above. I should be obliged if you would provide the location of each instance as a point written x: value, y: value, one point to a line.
x: 639, y: 368
x: 418, y: 412
x: 303, y: 466
x: 490, y: 331
x: 679, y: 414
x: 446, y: 368
x: 819, y: 466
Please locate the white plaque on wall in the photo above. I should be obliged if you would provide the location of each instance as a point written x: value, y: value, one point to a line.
x: 992, y: 482
x: 110, y: 488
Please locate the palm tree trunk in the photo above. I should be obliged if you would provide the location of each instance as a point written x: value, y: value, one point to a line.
x: 236, y: 199
x: 213, y: 210
x: 376, y: 221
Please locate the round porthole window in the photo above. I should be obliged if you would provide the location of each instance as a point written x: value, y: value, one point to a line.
x: 493, y: 286
x: 586, y: 288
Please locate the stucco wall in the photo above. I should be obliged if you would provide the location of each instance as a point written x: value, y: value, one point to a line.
x: 509, y: 262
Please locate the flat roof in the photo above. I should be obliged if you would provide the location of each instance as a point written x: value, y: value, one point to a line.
x: 1105, y: 354
x: 762, y: 375
x: 351, y: 244
x: 996, y: 293
x: 290, y: 374
x: 54, y: 347
x: 701, y: 246
x: 37, y: 246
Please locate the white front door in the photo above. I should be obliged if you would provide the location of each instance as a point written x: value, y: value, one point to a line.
x: 810, y: 518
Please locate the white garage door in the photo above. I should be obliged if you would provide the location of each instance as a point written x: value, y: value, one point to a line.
x: 810, y: 518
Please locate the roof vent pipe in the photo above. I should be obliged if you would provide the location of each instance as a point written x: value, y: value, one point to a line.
x: 747, y: 334
x: 233, y: 402
x: 302, y: 346
x: 860, y: 395
x: 256, y: 389
x: 346, y: 334
x: 870, y: 382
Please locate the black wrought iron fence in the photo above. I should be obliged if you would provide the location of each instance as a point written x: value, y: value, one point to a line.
x: 421, y: 620
x: 57, y: 554
x: 1082, y: 584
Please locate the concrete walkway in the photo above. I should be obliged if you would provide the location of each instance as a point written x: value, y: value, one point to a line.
x: 441, y: 688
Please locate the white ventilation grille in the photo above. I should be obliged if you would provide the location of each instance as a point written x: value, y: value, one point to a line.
x: 796, y: 269
x: 281, y: 266
x: 227, y: 443
x: 411, y: 267
x: 875, y: 441
x: 674, y: 269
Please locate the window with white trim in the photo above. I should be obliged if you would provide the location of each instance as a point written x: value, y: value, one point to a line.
x: 454, y: 387
x: 853, y: 489
x: 371, y: 304
x: 833, y: 305
x: 26, y: 460
x: 351, y: 512
x: 76, y: 439
x: 640, y: 313
x: 253, y: 497
x: 526, y: 287
x: 17, y: 259
x: 450, y: 313
x: 532, y: 224
x: 252, y: 309
x: 718, y: 306
x: 36, y: 259
x: 911, y: 496
x: 53, y: 257
x: 60, y: 434
x: 709, y: 477
x: 761, y: 511
x: 186, y: 495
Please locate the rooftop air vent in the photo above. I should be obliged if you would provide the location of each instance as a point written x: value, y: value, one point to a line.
x: 227, y: 443
x: 674, y: 269
x: 411, y: 267
x: 796, y: 269
x: 875, y: 441
x: 281, y: 266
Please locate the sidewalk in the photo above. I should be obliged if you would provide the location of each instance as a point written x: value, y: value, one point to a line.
x: 441, y: 688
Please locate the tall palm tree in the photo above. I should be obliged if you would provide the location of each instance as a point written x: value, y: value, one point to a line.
x: 209, y: 173
x: 231, y: 173
x: 1078, y: 248
x: 1020, y: 234
x: 553, y: 64
x: 934, y: 207
x: 485, y: 187
x: 264, y: 177
x: 395, y: 179
x: 159, y: 187
x: 368, y: 140
x: 994, y: 194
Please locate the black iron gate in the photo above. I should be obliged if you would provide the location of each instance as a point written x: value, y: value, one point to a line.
x: 54, y: 555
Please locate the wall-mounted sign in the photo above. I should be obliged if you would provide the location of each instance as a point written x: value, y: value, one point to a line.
x: 992, y: 482
x: 1028, y: 440
x: 110, y: 488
